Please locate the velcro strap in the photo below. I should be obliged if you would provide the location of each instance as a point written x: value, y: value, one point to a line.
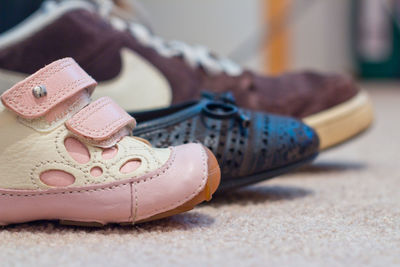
x: 59, y: 81
x: 100, y: 120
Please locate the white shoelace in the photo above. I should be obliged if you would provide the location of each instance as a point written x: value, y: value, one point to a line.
x: 195, y: 56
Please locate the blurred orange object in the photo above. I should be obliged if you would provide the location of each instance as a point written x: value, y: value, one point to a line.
x: 276, y: 49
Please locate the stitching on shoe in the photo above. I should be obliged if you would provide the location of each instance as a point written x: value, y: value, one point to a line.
x: 44, y: 76
x: 19, y: 91
x: 65, y: 192
x: 107, y: 167
x: 136, y: 202
x: 131, y: 209
x: 39, y: 107
x: 82, y: 116
x: 125, y: 155
x: 104, y: 188
x: 41, y: 125
x: 110, y: 141
x: 50, y: 162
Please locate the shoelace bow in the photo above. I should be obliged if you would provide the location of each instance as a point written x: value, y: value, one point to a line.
x: 194, y: 56
x: 223, y: 106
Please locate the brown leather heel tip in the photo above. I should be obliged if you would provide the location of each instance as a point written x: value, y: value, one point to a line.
x: 214, y: 173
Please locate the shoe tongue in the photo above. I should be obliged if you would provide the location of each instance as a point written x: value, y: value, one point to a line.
x: 51, y: 92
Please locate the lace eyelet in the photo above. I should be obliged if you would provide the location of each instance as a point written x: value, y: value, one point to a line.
x: 219, y: 110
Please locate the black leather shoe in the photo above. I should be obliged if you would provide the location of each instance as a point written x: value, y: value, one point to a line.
x: 250, y: 146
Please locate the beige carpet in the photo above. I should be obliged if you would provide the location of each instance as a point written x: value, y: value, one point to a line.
x: 343, y: 210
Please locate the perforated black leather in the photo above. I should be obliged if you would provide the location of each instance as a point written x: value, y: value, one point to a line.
x: 247, y: 152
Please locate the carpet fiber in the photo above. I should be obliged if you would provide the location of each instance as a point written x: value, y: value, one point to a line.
x: 342, y: 210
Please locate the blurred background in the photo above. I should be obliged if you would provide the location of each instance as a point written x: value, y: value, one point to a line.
x: 354, y: 36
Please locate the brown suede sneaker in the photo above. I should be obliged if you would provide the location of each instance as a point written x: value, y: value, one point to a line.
x: 140, y: 71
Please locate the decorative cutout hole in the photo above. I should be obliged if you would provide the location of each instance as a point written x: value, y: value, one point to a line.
x: 130, y: 166
x: 96, y: 171
x: 109, y: 153
x: 57, y: 178
x: 77, y: 150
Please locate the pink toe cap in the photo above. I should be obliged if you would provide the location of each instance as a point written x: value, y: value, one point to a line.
x: 184, y: 177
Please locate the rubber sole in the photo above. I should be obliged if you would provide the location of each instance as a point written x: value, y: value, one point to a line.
x: 213, y: 180
x: 231, y: 184
x: 342, y: 122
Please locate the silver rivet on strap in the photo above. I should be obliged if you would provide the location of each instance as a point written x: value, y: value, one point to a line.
x: 39, y: 91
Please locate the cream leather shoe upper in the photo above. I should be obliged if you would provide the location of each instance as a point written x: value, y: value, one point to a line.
x: 62, y: 157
